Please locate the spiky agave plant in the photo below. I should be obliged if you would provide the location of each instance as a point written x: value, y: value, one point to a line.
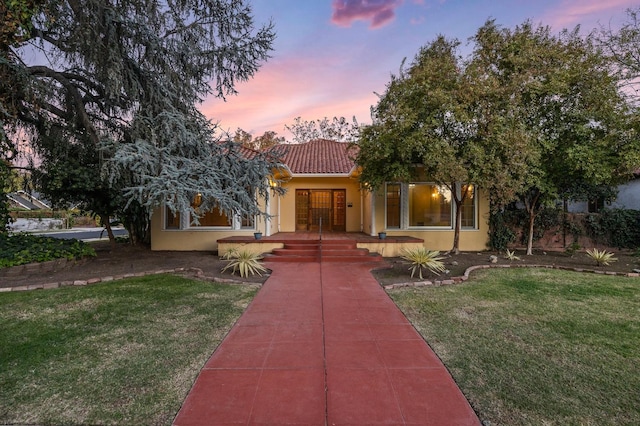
x: 511, y: 255
x: 422, y: 258
x: 243, y: 261
x: 601, y: 257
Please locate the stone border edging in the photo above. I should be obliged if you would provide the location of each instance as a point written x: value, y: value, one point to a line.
x: 197, y: 273
x: 470, y: 269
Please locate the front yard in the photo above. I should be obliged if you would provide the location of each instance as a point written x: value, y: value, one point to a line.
x: 126, y: 352
x: 526, y: 346
x: 534, y: 346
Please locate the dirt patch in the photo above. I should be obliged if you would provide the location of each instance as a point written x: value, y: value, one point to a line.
x: 127, y: 259
x: 456, y: 265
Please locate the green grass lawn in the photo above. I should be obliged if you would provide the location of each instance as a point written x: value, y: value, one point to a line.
x: 537, y: 347
x: 125, y: 352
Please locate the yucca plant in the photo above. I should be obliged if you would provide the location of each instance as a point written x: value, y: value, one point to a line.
x: 601, y: 257
x: 422, y: 258
x: 243, y: 261
x: 511, y: 255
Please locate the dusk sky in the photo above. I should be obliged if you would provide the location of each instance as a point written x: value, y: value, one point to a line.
x: 331, y: 56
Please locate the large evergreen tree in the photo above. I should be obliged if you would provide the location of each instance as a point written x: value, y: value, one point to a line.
x: 119, y: 82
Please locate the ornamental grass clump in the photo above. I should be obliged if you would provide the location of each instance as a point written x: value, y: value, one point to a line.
x: 601, y: 257
x: 422, y: 258
x: 243, y: 261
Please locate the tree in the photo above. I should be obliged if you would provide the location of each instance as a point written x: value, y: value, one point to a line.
x: 260, y: 143
x: 624, y: 47
x: 267, y: 140
x: 431, y: 124
x: 122, y: 81
x: 564, y: 91
x: 338, y: 129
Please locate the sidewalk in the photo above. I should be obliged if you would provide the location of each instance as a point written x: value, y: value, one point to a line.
x: 323, y: 344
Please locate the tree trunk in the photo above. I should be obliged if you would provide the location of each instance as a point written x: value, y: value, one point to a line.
x: 458, y: 220
x: 107, y: 225
x: 456, y: 229
x: 532, y: 218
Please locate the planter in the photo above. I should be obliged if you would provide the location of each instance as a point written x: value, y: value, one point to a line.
x: 382, y: 235
x: 257, y: 235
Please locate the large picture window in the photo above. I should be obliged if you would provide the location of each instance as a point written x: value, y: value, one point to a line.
x: 429, y: 205
x: 213, y: 217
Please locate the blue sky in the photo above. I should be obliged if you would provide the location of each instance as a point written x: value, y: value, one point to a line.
x: 331, y: 56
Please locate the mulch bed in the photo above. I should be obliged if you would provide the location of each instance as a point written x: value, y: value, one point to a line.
x: 127, y: 260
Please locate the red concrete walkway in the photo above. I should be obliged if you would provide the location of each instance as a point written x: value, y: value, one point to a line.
x: 322, y: 344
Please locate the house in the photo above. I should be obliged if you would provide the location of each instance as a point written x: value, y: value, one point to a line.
x: 324, y: 195
x: 628, y: 197
x: 23, y: 200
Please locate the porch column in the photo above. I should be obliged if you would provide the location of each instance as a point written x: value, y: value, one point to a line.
x: 373, y: 213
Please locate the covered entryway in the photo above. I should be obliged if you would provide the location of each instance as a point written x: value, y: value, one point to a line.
x: 326, y: 206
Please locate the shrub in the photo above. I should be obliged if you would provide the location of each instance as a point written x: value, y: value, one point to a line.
x: 500, y: 234
x: 614, y: 227
x: 422, y: 258
x: 20, y: 249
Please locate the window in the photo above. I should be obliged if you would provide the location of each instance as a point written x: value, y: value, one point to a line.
x: 172, y: 220
x: 429, y: 205
x: 213, y: 217
x: 393, y: 205
x: 468, y: 219
x: 423, y: 205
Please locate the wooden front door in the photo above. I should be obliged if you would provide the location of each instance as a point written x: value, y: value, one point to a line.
x: 326, y: 206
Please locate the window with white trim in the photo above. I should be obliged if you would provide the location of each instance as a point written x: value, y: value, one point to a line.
x: 428, y: 205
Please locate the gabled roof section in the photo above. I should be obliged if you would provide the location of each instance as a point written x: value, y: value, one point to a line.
x: 320, y: 156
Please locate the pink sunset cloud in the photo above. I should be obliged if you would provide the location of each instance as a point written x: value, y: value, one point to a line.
x: 572, y: 12
x: 311, y: 88
x: 377, y: 12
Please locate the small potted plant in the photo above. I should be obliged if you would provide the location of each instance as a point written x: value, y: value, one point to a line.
x: 382, y: 235
x: 257, y: 235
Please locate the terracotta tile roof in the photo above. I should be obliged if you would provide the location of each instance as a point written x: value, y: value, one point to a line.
x: 320, y: 156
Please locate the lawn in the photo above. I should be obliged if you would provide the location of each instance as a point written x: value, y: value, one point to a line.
x: 534, y: 346
x: 125, y: 352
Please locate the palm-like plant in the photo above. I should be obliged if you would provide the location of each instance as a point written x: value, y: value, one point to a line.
x: 244, y: 261
x: 422, y: 258
x: 602, y: 257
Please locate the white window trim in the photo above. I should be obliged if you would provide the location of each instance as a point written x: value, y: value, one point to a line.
x: 404, y: 210
x: 185, y: 223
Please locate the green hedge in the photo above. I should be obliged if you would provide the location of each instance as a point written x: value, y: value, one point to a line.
x: 615, y: 227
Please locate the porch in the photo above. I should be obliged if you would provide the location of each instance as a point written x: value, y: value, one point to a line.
x: 391, y: 246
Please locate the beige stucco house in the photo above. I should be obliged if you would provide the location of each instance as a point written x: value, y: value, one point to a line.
x: 323, y: 193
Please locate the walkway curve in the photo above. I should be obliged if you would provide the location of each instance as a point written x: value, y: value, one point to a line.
x: 323, y: 344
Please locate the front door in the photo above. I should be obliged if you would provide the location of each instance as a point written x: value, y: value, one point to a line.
x: 321, y: 206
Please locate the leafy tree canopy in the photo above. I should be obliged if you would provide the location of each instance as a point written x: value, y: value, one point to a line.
x: 336, y: 129
x: 267, y: 140
x: 527, y: 115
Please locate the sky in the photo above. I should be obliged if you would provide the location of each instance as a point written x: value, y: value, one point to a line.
x: 331, y: 57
